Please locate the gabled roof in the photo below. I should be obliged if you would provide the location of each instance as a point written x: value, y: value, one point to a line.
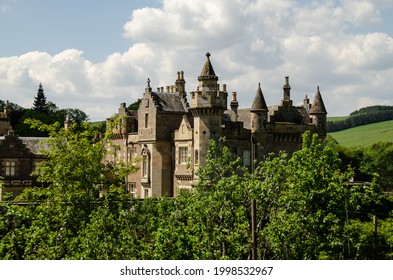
x: 259, y: 101
x: 168, y: 101
x: 35, y: 144
x: 21, y: 147
x: 318, y: 107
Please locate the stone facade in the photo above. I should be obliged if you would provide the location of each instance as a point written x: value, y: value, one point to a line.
x: 18, y: 157
x: 168, y: 136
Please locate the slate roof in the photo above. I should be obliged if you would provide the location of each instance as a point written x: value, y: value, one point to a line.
x: 259, y: 101
x: 35, y: 144
x: 318, y: 107
x: 168, y: 101
x: 207, y: 70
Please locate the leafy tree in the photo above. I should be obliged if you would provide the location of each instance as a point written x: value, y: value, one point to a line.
x: 305, y: 209
x: 135, y: 105
x: 313, y: 205
x: 75, y: 175
x: 212, y: 221
x: 379, y: 159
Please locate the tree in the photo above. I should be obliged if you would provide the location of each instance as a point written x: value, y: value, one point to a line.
x: 40, y: 104
x: 76, y: 173
x: 315, y: 204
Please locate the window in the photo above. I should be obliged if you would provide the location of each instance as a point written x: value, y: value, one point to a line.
x: 145, y: 166
x: 131, y: 189
x: 145, y: 162
x: 146, y: 120
x: 146, y: 193
x: 196, y: 160
x: 10, y: 168
x: 132, y: 155
x: 246, y: 157
x: 183, y: 155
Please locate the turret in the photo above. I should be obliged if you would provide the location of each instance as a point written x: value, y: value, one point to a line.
x: 207, y: 105
x: 318, y: 113
x: 208, y: 93
x: 258, y: 112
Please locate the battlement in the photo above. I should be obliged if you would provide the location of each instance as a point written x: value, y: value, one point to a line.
x: 209, y: 98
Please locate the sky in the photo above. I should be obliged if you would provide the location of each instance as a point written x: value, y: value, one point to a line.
x: 95, y: 54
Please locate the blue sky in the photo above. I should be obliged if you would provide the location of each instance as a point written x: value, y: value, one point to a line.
x: 95, y: 54
x: 94, y: 26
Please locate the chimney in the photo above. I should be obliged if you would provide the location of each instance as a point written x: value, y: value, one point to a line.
x: 234, y: 105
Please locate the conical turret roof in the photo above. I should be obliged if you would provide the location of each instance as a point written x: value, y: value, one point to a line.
x: 207, y: 70
x: 259, y: 102
x: 318, y: 107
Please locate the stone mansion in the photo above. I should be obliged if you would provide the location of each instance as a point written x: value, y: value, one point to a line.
x: 169, y: 135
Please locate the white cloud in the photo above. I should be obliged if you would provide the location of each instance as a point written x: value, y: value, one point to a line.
x: 251, y: 41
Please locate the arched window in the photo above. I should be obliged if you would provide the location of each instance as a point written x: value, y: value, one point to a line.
x: 145, y: 162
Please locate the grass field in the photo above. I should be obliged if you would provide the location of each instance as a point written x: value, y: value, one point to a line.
x: 333, y: 119
x: 365, y: 135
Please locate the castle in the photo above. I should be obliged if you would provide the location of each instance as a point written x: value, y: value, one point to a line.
x: 170, y: 132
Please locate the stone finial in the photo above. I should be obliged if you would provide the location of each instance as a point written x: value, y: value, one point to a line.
x: 148, y: 88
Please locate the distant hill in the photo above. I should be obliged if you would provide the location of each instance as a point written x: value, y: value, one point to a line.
x: 365, y: 135
x: 363, y: 116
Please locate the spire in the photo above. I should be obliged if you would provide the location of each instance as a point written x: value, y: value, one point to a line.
x: 318, y: 107
x: 207, y: 70
x: 259, y: 103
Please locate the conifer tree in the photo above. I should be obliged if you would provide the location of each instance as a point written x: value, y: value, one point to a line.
x: 40, y: 103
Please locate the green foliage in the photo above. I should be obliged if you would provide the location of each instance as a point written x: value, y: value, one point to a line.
x: 40, y: 104
x: 305, y: 208
x: 135, y: 105
x: 76, y: 173
x: 45, y: 111
x: 372, y: 109
x: 364, y: 116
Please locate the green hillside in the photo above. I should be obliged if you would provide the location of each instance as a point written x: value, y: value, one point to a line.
x: 365, y: 135
x: 334, y: 119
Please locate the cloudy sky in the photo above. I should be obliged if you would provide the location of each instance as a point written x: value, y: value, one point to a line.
x: 95, y: 54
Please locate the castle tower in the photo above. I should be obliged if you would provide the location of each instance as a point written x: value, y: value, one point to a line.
x: 318, y: 113
x: 207, y: 105
x: 258, y: 112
